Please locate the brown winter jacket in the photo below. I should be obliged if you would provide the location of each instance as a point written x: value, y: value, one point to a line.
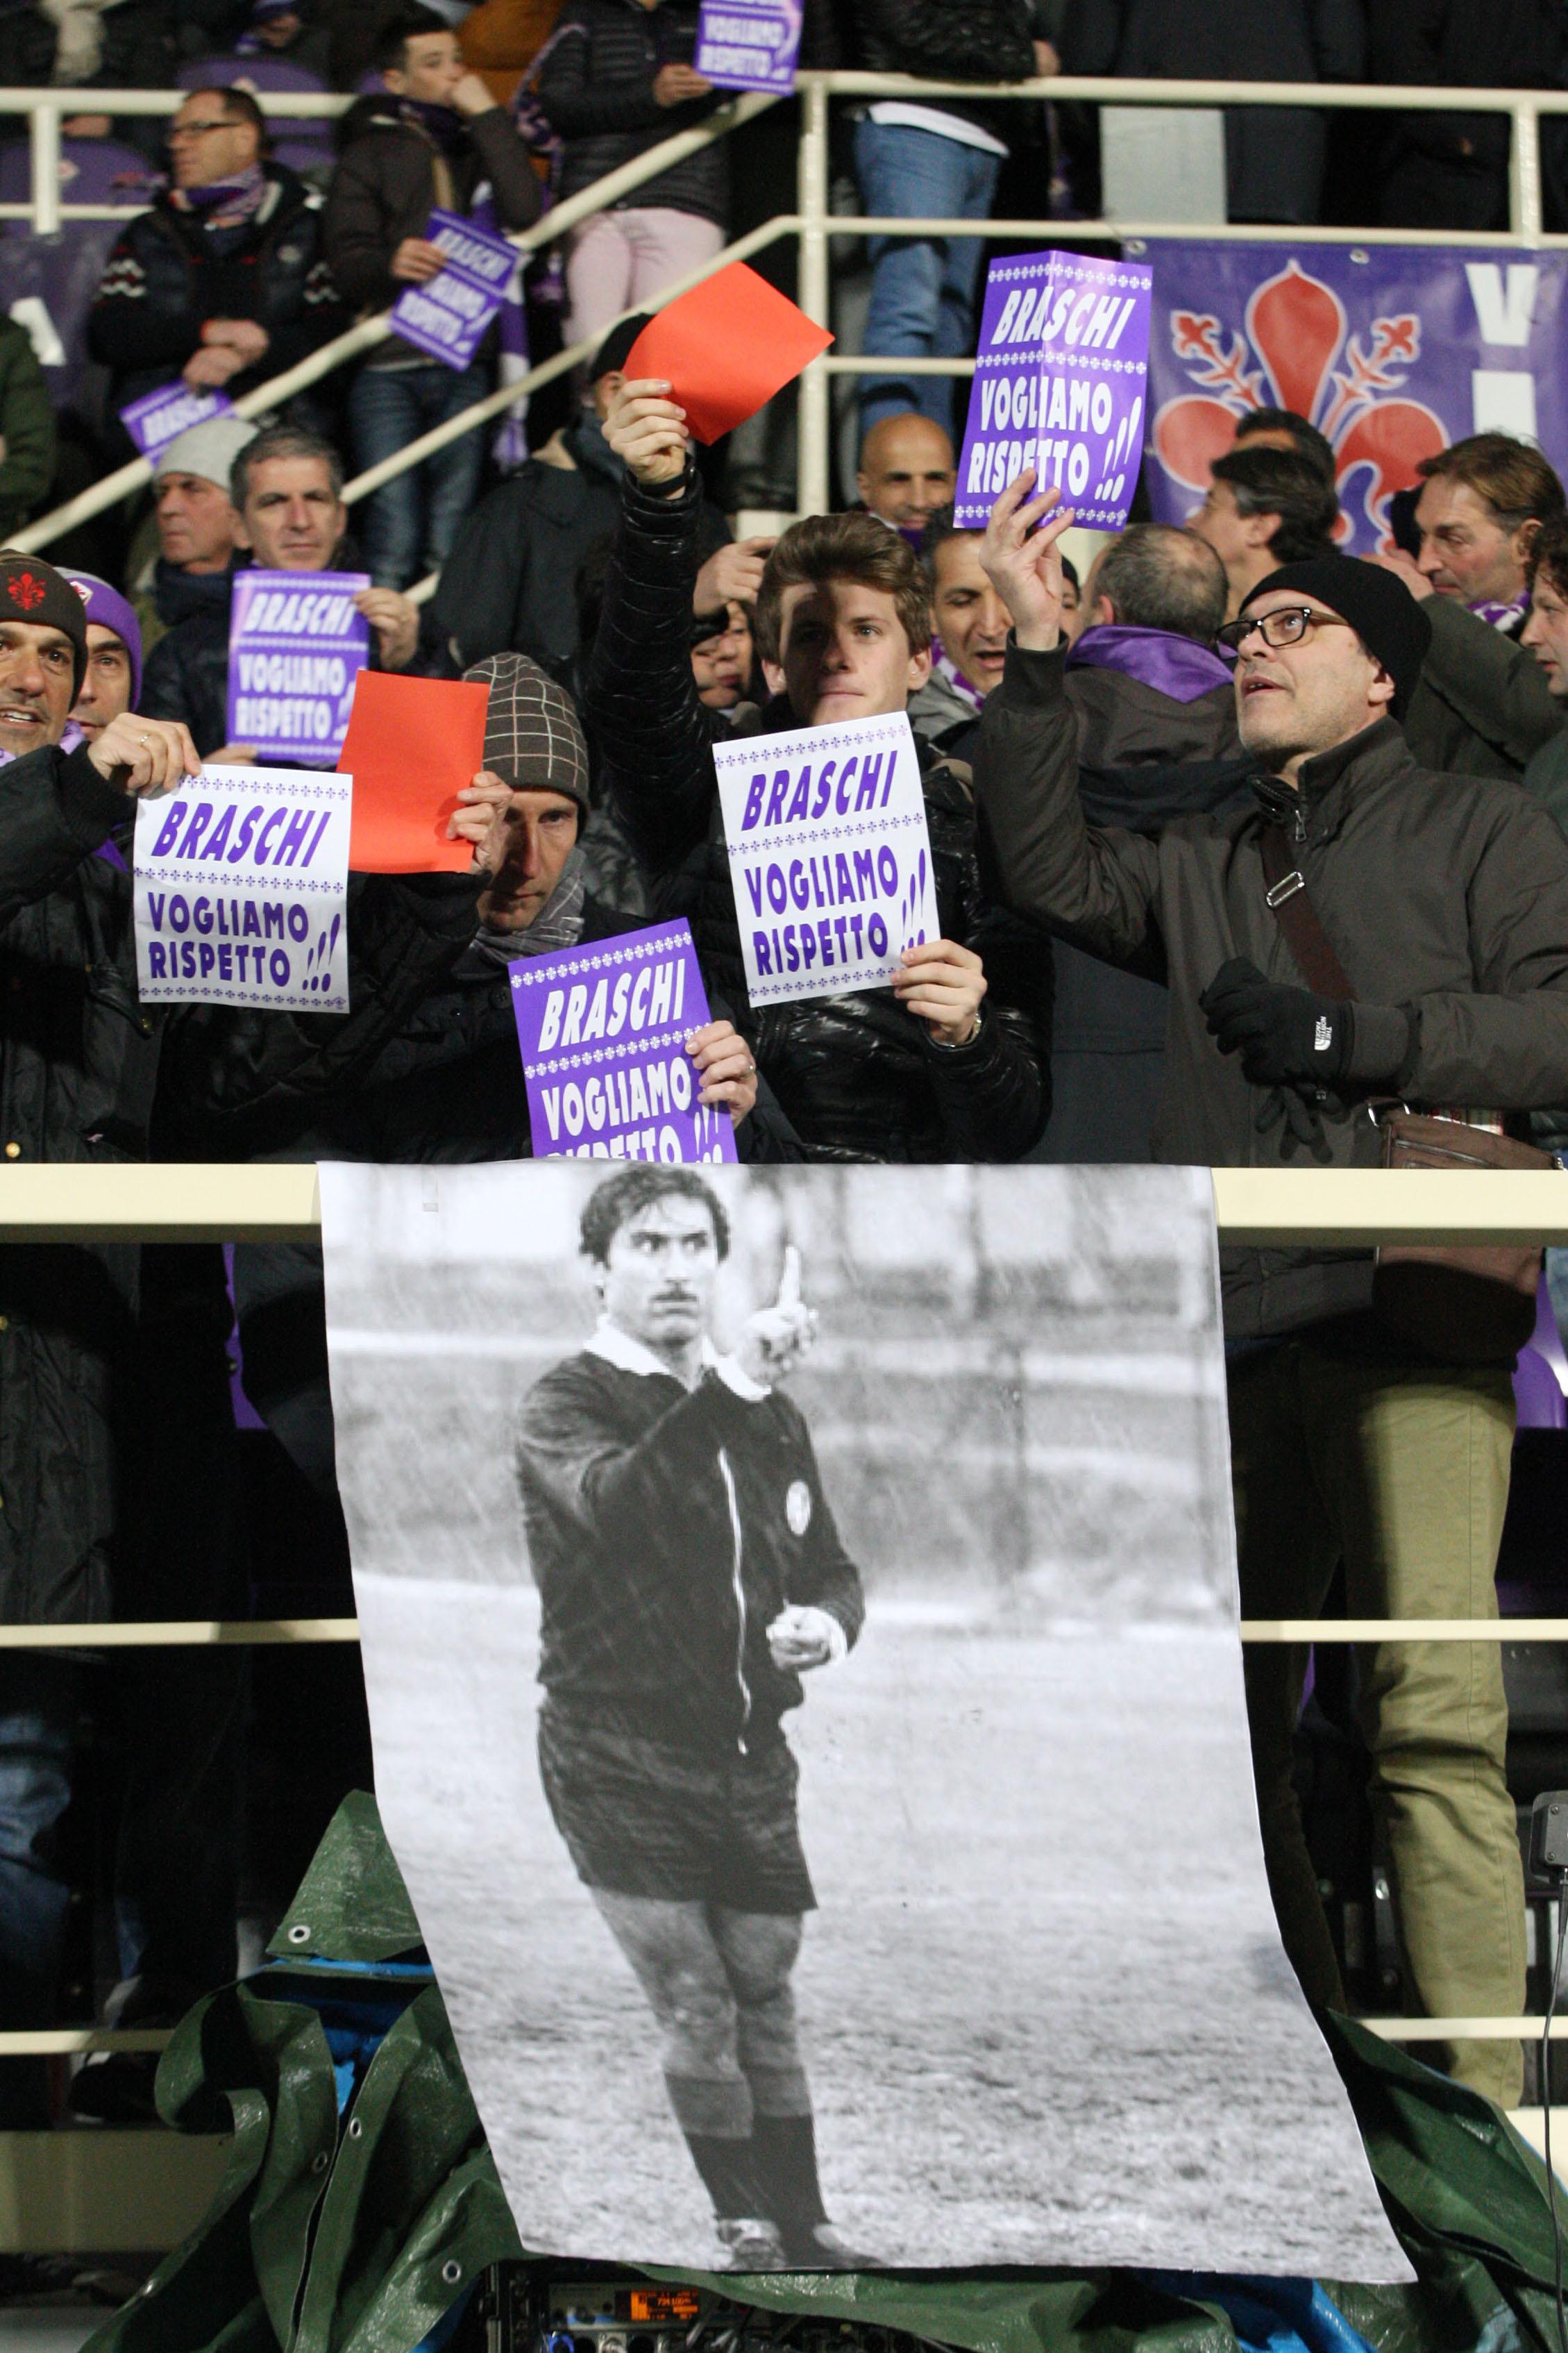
x: 1444, y: 897
x: 392, y: 177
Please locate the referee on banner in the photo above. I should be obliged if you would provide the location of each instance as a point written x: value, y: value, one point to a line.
x: 690, y: 1574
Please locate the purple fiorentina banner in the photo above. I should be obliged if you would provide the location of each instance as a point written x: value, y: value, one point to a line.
x: 1392, y: 350
x: 161, y: 417
x: 1059, y: 383
x: 448, y: 316
x: 603, y: 1032
x: 748, y: 44
x: 295, y: 646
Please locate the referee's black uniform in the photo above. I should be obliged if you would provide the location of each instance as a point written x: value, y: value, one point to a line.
x: 667, y: 1529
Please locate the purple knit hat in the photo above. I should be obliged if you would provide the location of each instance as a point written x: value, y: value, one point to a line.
x: 109, y: 608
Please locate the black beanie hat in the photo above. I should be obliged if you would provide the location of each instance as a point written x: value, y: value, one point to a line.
x: 1379, y: 608
x: 616, y: 349
x: 32, y: 590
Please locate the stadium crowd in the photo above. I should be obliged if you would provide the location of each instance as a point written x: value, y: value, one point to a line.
x: 1128, y: 778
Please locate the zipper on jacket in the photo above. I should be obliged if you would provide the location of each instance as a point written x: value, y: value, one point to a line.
x: 740, y: 1592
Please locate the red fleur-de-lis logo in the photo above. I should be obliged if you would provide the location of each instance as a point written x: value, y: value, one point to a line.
x: 1294, y: 351
x: 25, y: 588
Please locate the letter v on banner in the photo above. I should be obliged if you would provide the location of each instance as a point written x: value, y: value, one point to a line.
x: 1502, y: 400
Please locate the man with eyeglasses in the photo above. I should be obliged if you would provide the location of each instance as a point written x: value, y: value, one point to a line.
x: 221, y: 282
x: 1445, y: 902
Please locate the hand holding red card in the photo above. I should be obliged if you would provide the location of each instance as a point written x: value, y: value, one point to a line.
x: 726, y: 347
x: 413, y: 744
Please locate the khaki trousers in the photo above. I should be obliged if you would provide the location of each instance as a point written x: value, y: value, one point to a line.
x: 1401, y: 1472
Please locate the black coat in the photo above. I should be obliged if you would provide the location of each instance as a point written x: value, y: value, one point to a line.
x: 857, y: 1076
x: 186, y: 676
x: 166, y: 274
x: 1145, y: 760
x: 597, y: 87
x: 1274, y: 156
x: 85, y: 1330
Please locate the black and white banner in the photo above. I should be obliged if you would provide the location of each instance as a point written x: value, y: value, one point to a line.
x: 799, y: 1616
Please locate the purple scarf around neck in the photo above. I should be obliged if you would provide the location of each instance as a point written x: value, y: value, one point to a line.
x: 1174, y: 666
x: 228, y: 200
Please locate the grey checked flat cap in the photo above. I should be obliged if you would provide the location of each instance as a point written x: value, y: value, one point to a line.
x: 533, y: 736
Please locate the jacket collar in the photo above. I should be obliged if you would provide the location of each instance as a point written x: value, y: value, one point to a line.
x: 1379, y: 752
x: 618, y: 1347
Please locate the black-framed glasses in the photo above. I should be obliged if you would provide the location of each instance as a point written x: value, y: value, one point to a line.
x: 196, y: 129
x: 1286, y: 626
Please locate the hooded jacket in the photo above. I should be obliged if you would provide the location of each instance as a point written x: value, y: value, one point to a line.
x: 1446, y: 899
x: 859, y: 1077
x: 390, y: 174
x: 667, y: 1529
x: 165, y: 276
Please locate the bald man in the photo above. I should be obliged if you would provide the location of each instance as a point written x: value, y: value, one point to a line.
x: 907, y: 472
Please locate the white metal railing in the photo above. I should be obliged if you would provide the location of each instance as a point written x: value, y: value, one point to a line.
x: 812, y: 224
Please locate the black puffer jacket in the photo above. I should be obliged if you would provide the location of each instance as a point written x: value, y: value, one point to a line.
x: 167, y: 273
x: 597, y: 87
x: 857, y: 1075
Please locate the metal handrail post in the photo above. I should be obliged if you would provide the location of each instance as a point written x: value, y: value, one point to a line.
x: 1524, y: 173
x: 813, y: 414
x: 44, y: 152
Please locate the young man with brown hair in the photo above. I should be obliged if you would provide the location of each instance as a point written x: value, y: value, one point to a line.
x: 953, y: 1064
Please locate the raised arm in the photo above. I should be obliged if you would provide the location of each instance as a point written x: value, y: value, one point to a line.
x: 653, y: 734
x: 1095, y: 886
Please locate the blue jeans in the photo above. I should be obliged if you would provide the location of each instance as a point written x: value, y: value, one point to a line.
x: 408, y: 525
x: 923, y: 289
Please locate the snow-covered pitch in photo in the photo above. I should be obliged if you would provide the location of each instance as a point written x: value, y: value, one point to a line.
x: 800, y: 1624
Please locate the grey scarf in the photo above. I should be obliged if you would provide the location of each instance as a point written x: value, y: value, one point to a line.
x: 556, y: 926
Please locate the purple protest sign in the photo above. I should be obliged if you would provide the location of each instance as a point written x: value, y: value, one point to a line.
x: 602, y: 1030
x: 1392, y: 350
x: 1058, y: 384
x: 295, y: 646
x: 748, y: 44
x: 161, y: 417
x: 448, y: 314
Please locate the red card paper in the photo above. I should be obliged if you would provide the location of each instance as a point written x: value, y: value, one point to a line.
x: 413, y: 744
x: 726, y: 347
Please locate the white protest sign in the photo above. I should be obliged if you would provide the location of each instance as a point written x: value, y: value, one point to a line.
x: 829, y: 856
x: 241, y: 889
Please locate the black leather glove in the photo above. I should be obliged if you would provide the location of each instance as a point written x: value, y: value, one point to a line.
x: 1282, y: 1034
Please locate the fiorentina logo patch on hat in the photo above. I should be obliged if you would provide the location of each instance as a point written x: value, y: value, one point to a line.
x: 25, y: 588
